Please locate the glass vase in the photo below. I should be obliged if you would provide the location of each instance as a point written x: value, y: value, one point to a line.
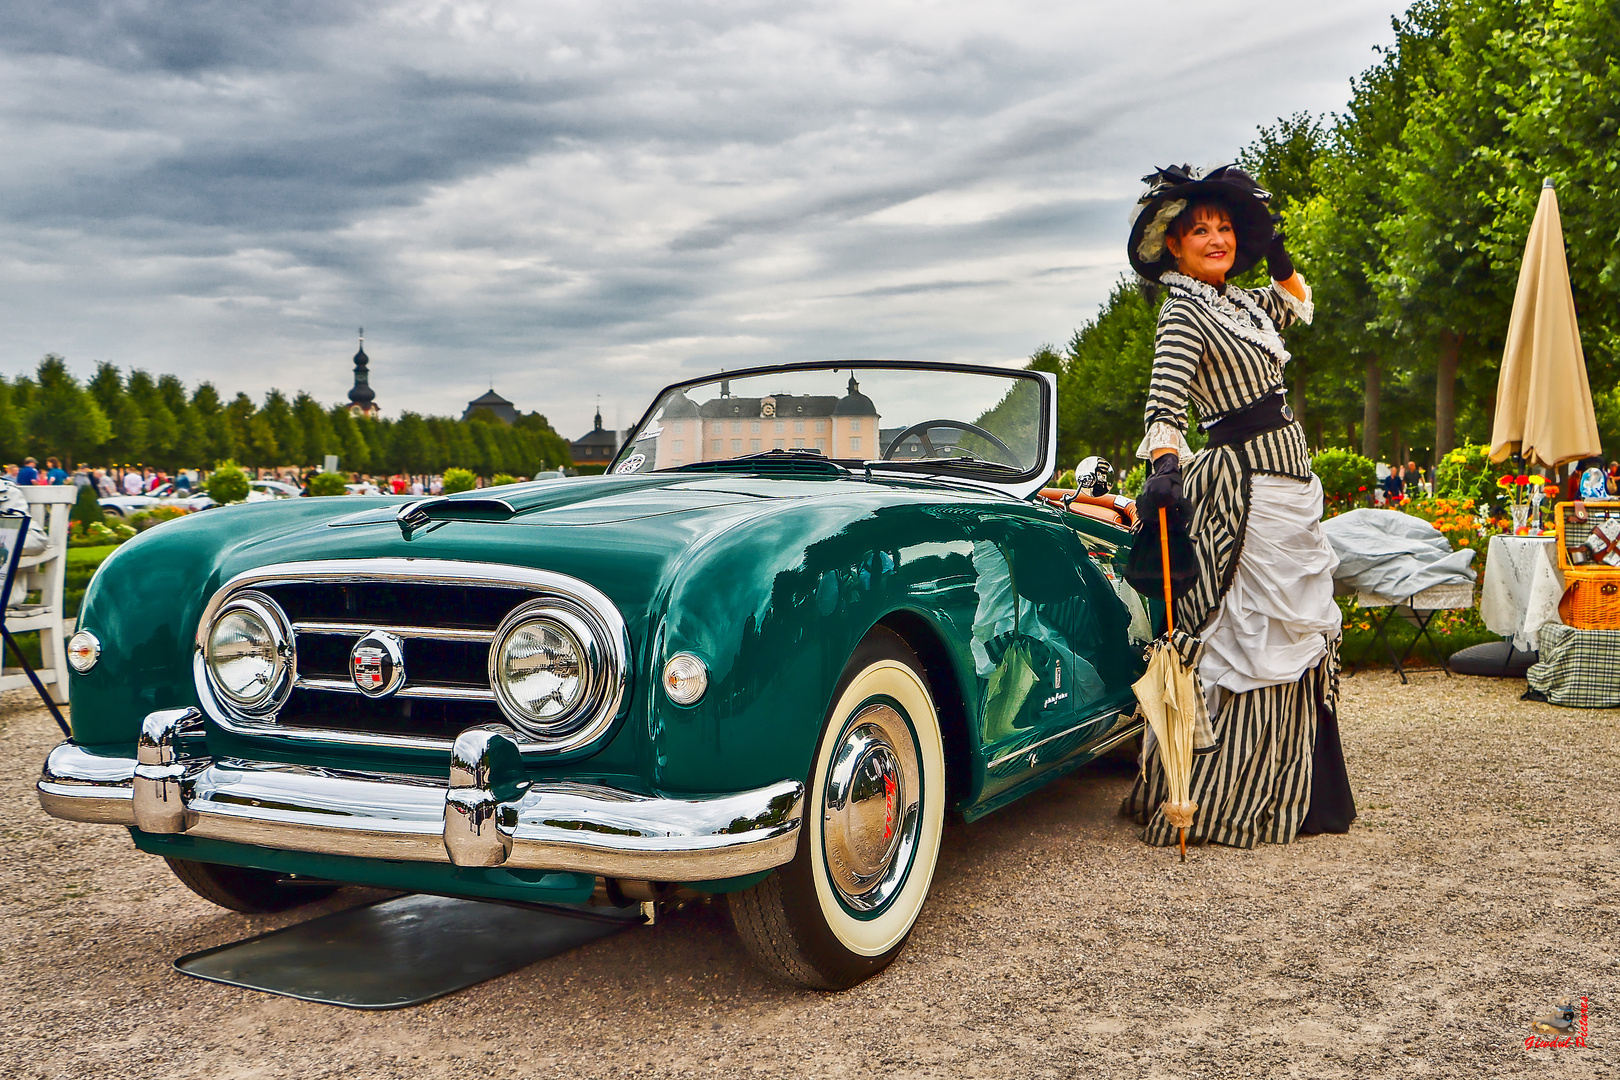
x: 1535, y: 513
x: 1521, y: 515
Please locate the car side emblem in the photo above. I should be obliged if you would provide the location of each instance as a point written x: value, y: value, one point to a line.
x: 377, y: 664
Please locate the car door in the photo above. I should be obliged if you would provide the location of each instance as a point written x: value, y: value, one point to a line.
x: 1051, y: 643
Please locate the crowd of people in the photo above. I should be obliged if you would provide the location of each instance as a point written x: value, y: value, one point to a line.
x: 140, y: 480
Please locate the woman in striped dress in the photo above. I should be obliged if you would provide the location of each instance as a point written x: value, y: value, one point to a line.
x: 1261, y: 626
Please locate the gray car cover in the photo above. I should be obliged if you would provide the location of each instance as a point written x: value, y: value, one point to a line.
x: 1394, y: 554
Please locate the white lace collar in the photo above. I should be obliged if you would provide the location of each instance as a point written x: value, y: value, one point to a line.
x: 1234, y: 308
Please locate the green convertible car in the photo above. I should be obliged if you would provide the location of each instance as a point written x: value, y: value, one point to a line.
x: 810, y: 610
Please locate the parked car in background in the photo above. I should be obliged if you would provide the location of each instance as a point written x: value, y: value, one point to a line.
x: 266, y: 490
x: 809, y: 611
x: 124, y: 506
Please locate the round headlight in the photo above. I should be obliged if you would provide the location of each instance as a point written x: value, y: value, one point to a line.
x: 83, y: 650
x: 557, y: 672
x: 541, y: 669
x: 685, y: 678
x: 249, y: 653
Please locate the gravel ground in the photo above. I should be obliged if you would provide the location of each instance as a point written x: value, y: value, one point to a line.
x: 1476, y: 891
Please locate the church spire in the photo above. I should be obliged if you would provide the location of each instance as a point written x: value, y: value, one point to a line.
x: 362, y: 398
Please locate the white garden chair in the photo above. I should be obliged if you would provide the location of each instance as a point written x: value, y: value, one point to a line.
x: 43, y: 572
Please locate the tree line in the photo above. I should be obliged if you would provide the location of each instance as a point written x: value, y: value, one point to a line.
x: 1408, y: 214
x: 114, y: 419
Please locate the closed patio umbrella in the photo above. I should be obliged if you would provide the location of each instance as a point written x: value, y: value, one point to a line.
x: 1543, y: 401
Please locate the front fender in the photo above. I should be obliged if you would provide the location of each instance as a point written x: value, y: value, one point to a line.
x: 775, y: 607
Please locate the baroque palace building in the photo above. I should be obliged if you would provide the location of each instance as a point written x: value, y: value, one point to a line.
x: 730, y: 427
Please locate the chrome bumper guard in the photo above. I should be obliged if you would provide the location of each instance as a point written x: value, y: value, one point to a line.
x: 490, y: 814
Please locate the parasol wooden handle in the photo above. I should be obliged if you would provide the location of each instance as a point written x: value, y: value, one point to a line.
x: 1164, y: 560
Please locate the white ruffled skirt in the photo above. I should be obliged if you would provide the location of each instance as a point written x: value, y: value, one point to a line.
x: 1269, y: 629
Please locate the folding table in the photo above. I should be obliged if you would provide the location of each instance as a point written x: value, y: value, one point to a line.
x: 1419, y: 609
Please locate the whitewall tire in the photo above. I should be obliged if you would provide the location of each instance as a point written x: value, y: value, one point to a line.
x: 842, y: 910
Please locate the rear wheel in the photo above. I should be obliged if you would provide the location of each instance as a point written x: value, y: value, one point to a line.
x: 241, y: 888
x: 842, y: 910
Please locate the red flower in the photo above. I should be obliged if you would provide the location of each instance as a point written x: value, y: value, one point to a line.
x: 1362, y: 488
x: 1522, y: 479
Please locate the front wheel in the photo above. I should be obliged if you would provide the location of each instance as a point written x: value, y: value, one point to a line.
x: 841, y: 911
x: 241, y: 888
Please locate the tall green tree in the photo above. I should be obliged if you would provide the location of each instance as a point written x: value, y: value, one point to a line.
x: 162, y: 426
x: 315, y: 430
x: 284, y: 426
x: 1444, y: 289
x: 1562, y: 123
x: 219, y: 435
x: 63, y: 419
x: 348, y: 444
x: 13, y: 445
x: 253, y: 433
x: 128, y: 441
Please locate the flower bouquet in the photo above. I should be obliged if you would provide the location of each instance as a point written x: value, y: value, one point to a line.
x: 1523, y: 494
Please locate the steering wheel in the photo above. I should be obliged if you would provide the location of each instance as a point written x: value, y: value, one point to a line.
x: 929, y: 450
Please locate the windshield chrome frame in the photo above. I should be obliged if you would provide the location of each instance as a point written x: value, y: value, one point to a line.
x: 1021, y: 486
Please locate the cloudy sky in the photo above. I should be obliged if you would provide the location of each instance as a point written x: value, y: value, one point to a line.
x: 594, y: 198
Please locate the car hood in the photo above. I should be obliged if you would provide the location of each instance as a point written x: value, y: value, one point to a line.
x: 624, y: 535
x: 597, y: 500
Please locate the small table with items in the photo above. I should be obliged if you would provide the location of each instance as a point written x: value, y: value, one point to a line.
x: 1419, y: 609
x: 1522, y: 588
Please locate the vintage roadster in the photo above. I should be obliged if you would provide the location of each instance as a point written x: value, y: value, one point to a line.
x: 810, y: 610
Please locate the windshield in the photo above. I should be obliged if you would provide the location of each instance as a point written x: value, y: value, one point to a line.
x: 915, y: 418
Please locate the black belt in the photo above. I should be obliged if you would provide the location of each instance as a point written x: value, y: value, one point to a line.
x: 1270, y: 413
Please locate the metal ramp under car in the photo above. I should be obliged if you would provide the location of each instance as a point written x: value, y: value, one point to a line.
x: 403, y: 951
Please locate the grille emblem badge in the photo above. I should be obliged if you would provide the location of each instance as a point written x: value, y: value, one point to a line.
x: 377, y: 664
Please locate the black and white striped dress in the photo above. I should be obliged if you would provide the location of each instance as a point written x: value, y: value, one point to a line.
x: 1262, y: 609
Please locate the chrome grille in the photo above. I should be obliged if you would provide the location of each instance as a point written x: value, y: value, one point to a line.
x: 445, y: 614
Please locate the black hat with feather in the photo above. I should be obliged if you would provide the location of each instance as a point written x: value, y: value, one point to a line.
x: 1171, y: 190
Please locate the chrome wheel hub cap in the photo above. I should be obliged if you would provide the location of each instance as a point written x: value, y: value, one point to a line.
x: 870, y: 814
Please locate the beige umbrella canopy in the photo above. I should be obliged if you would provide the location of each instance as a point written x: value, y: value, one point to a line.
x: 1543, y: 401
x: 1169, y: 700
x: 1176, y: 714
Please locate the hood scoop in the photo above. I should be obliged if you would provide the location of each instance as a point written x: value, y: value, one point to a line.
x: 414, y: 515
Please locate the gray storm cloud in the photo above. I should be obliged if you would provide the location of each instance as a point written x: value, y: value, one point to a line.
x: 580, y: 199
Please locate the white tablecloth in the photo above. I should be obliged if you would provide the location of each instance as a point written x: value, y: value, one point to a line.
x: 1522, y: 588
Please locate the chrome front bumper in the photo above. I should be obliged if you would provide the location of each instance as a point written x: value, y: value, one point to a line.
x: 489, y: 814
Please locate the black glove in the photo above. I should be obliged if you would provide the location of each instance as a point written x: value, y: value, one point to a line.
x: 1278, y: 264
x: 1163, y: 487
x: 1144, y: 569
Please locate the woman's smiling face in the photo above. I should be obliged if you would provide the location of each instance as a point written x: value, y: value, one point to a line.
x: 1208, y: 247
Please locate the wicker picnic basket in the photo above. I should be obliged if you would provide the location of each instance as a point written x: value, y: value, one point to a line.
x: 1592, y: 589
